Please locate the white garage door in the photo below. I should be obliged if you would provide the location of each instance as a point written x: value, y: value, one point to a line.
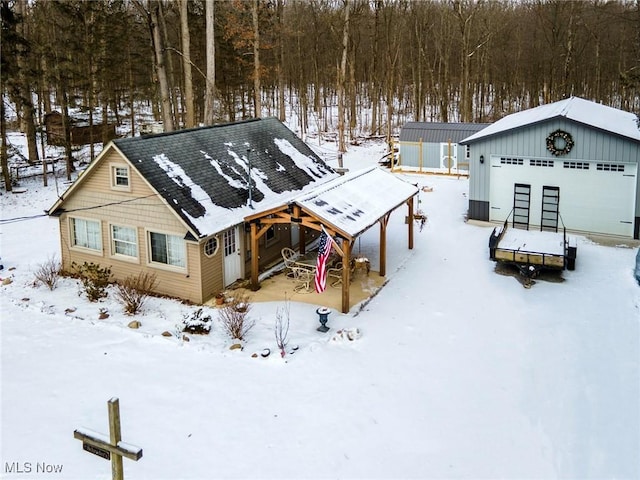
x: 594, y: 196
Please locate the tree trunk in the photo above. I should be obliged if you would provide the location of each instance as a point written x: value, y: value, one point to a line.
x: 342, y: 73
x: 169, y: 69
x: 282, y: 113
x: 158, y: 46
x: 26, y: 100
x: 66, y: 126
x: 256, y: 60
x: 189, y: 121
x: 209, y: 98
x: 4, y: 160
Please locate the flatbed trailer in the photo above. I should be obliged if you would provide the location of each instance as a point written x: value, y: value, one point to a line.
x: 532, y: 251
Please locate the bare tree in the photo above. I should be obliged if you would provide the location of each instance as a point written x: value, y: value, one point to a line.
x: 342, y: 75
x: 281, y: 328
x: 189, y: 118
x: 159, y: 50
x: 256, y: 59
x: 209, y: 98
x: 25, y: 99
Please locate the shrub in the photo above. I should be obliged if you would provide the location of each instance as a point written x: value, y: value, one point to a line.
x: 281, y: 329
x: 134, y: 290
x: 48, y: 272
x: 196, y: 323
x: 94, y: 278
x: 233, y: 316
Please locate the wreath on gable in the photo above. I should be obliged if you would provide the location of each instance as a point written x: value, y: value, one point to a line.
x: 559, y: 137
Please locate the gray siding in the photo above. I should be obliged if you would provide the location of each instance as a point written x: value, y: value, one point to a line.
x: 410, y: 155
x: 589, y: 145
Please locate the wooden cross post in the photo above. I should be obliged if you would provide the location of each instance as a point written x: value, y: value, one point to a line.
x: 111, y: 447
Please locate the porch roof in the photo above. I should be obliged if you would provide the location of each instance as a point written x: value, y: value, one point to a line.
x: 354, y: 202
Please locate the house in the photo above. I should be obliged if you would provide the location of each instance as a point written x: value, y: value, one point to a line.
x: 572, y: 163
x: 174, y: 204
x: 81, y: 133
x: 434, y: 146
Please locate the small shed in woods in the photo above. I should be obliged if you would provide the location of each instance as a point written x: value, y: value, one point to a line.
x: 80, y: 131
x: 345, y: 207
x: 434, y: 146
x: 571, y: 163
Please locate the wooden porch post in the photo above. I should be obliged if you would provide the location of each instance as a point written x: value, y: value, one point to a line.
x: 346, y: 274
x: 255, y: 257
x: 383, y: 244
x: 410, y: 205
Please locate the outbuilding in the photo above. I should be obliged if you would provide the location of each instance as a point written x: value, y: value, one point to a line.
x: 572, y: 163
x: 434, y: 146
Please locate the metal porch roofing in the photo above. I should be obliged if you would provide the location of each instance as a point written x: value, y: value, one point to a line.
x: 356, y: 201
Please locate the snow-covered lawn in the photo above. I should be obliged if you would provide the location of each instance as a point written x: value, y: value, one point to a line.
x: 457, y: 372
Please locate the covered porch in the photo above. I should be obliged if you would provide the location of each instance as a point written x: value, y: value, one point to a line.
x: 344, y: 208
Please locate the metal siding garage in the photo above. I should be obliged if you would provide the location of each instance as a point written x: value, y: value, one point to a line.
x: 596, y: 199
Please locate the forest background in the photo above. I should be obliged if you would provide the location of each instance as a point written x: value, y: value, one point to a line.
x: 380, y: 62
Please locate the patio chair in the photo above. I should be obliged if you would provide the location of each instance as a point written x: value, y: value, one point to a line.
x: 303, y: 278
x: 288, y: 255
x: 334, y: 274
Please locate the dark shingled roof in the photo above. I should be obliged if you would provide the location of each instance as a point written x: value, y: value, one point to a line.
x: 438, y: 132
x: 197, y: 169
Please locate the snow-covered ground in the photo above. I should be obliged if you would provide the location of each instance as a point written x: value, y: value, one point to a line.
x: 455, y: 372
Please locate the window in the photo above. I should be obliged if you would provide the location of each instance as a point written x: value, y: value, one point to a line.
x: 610, y: 167
x: 168, y: 249
x: 86, y: 234
x: 120, y: 177
x: 541, y: 163
x: 512, y: 161
x: 270, y: 236
x: 211, y: 247
x: 124, y: 241
x: 576, y: 165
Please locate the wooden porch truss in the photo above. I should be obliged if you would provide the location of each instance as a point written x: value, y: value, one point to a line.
x: 295, y: 214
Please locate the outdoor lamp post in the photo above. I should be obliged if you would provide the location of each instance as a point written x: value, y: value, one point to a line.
x: 323, y: 316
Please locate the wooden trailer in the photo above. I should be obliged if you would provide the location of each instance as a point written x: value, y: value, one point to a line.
x: 532, y: 251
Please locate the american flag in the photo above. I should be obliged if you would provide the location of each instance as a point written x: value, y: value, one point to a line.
x: 324, y: 250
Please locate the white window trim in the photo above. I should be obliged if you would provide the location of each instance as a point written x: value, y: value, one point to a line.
x: 215, y: 252
x: 165, y: 266
x: 70, y: 223
x: 112, y: 245
x: 112, y: 175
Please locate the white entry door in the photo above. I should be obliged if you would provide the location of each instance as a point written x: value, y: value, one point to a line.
x: 448, y: 157
x: 232, y: 256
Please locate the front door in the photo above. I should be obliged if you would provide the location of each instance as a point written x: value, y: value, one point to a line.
x: 232, y: 256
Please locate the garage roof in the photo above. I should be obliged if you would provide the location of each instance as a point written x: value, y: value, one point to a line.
x: 612, y: 120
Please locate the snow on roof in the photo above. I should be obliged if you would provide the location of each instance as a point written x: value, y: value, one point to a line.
x: 354, y: 202
x: 577, y: 109
x: 215, y: 217
x: 203, y: 173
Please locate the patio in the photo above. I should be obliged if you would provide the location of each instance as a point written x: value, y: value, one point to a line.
x: 276, y: 287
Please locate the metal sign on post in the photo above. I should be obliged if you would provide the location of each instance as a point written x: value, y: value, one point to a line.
x: 109, y: 447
